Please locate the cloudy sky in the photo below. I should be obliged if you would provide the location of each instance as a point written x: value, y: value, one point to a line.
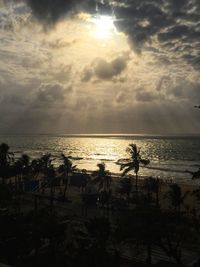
x: 85, y: 66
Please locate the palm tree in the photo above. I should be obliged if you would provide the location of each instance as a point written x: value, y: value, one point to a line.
x: 66, y: 168
x: 153, y: 186
x: 125, y: 187
x: 6, y: 158
x: 103, y: 177
x: 176, y: 197
x: 132, y: 164
x: 45, y: 162
x: 22, y: 166
x: 21, y: 170
x: 36, y: 168
x: 85, y: 179
x: 51, y: 172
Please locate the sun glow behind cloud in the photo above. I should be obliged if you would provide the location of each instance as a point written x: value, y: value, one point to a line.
x: 87, y: 66
x: 104, y: 26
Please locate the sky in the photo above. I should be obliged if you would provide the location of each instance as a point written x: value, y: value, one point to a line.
x: 85, y: 66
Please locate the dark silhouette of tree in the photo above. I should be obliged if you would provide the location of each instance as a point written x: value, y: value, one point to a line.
x: 36, y: 168
x: 85, y: 180
x: 22, y: 167
x: 132, y: 164
x: 176, y: 197
x: 154, y: 228
x: 66, y: 169
x: 103, y: 178
x: 22, y: 237
x: 6, y: 158
x: 45, y: 163
x: 125, y: 187
x: 152, y: 185
x: 51, y: 174
x: 139, y: 227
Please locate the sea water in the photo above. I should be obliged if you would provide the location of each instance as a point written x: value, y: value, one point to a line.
x: 170, y: 156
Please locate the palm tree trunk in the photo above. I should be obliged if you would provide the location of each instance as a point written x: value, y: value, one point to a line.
x: 157, y: 193
x: 66, y: 185
x: 35, y: 203
x: 157, y: 197
x: 136, y: 184
x: 51, y: 198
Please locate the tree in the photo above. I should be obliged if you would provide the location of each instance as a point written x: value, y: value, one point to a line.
x: 139, y: 226
x: 22, y: 166
x: 36, y: 167
x: 153, y: 186
x: 66, y: 168
x: 45, y: 163
x: 103, y: 177
x: 85, y: 179
x: 133, y: 163
x: 6, y: 158
x: 125, y: 187
x: 176, y: 197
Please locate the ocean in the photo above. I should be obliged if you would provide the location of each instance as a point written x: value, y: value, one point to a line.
x: 170, y: 156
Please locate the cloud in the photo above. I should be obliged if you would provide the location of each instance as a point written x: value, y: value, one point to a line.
x: 121, y: 97
x: 86, y: 75
x: 49, y: 95
x: 50, y: 12
x: 187, y: 90
x: 107, y: 70
x: 164, y: 24
x: 174, y: 24
x: 104, y: 69
x: 142, y: 95
x: 50, y: 80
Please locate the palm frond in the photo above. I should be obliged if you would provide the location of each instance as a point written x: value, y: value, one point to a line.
x: 127, y: 170
x: 122, y: 161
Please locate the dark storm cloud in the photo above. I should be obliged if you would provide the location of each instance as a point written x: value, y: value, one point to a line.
x: 194, y: 60
x: 51, y: 11
x: 175, y: 24
x: 175, y: 32
x: 140, y: 20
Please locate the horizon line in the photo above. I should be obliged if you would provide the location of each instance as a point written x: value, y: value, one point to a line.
x: 103, y: 134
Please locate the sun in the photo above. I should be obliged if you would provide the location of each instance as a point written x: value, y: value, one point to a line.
x: 104, y: 26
